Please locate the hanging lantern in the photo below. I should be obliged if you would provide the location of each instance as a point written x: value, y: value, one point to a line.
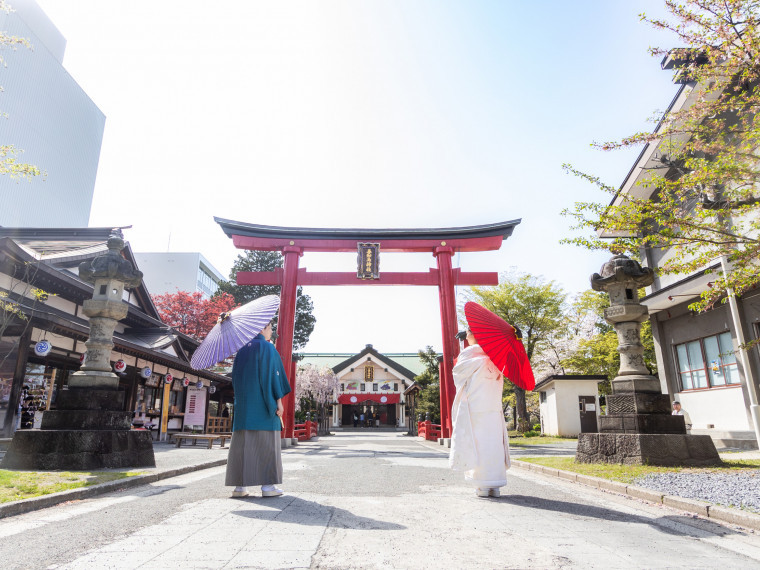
x: 120, y: 366
x: 82, y: 358
x: 43, y: 348
x: 211, y: 389
x: 168, y: 378
x: 186, y: 381
x: 146, y: 372
x: 199, y: 385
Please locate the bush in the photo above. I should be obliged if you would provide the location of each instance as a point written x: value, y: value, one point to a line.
x: 537, y: 427
x: 532, y: 434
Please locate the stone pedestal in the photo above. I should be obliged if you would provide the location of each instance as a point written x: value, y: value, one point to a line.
x: 647, y: 449
x: 88, y: 431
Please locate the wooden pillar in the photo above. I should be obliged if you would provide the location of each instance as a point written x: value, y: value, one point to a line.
x: 285, y: 329
x: 449, y: 327
x: 18, y: 382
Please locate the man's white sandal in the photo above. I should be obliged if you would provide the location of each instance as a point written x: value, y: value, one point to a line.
x: 273, y: 492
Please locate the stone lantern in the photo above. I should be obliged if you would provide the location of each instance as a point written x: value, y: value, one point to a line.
x: 638, y: 427
x: 109, y: 274
x: 90, y: 428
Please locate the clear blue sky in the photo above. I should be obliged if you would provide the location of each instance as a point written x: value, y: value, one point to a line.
x: 388, y: 113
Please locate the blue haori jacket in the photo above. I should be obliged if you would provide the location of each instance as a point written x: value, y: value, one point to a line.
x: 259, y: 380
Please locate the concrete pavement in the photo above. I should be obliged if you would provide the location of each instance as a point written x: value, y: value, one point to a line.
x: 372, y: 501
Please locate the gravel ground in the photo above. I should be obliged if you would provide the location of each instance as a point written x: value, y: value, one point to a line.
x: 734, y: 489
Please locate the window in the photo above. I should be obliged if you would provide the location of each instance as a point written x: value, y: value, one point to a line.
x: 395, y: 386
x: 542, y: 397
x: 374, y: 387
x: 364, y: 386
x: 342, y: 387
x: 707, y: 362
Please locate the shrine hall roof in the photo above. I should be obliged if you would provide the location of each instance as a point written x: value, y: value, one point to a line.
x: 231, y: 227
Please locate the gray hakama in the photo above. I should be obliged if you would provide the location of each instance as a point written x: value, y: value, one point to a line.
x: 254, y: 459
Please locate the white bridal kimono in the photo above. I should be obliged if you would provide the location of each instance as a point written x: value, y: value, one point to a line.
x: 479, y: 440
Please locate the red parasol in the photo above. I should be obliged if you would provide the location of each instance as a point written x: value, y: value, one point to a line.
x: 499, y: 341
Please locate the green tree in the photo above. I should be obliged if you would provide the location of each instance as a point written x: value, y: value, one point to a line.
x: 596, y: 351
x: 429, y: 399
x: 269, y: 261
x: 9, y: 161
x: 698, y: 195
x: 534, y: 306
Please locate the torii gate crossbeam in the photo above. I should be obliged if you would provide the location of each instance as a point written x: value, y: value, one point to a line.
x: 443, y: 243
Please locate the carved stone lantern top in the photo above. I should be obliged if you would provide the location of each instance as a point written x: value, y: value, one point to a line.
x: 111, y: 266
x: 621, y: 270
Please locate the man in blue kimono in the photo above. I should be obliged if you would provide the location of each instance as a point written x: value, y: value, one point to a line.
x: 259, y: 381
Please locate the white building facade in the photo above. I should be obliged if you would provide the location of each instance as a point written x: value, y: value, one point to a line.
x: 569, y: 404
x: 53, y: 121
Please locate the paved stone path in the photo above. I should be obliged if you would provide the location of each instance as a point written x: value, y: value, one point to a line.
x: 369, y: 501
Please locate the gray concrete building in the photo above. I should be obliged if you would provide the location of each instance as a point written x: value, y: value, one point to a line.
x: 52, y: 120
x: 172, y: 272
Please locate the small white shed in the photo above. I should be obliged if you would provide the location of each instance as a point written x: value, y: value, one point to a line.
x: 569, y: 404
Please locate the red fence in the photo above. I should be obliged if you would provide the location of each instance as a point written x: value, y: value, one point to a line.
x: 429, y: 430
x: 305, y: 431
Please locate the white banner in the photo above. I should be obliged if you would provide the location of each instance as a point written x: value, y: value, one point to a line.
x: 195, y: 407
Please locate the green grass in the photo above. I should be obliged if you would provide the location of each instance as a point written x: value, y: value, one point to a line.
x: 17, y: 485
x: 628, y: 473
x: 518, y: 439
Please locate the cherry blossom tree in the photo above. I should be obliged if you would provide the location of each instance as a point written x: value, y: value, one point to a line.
x: 315, y: 388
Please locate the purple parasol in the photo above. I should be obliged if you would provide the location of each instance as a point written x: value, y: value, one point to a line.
x: 232, y: 330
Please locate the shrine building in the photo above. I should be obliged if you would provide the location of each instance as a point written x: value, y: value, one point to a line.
x: 372, y: 384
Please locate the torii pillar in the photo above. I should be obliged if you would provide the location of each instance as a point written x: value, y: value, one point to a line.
x: 442, y: 243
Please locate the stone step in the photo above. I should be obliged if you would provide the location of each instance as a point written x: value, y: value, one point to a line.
x: 79, y: 450
x: 642, y: 423
x: 86, y: 419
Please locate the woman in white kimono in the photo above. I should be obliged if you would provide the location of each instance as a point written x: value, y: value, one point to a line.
x: 479, y: 440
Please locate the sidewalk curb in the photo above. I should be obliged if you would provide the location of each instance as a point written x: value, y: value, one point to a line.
x: 45, y: 501
x: 702, y: 508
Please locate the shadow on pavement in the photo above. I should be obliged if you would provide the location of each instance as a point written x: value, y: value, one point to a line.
x: 684, y: 522
x: 309, y: 513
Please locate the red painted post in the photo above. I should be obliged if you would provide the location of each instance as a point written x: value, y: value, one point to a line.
x: 443, y: 396
x: 285, y: 328
x: 449, y: 327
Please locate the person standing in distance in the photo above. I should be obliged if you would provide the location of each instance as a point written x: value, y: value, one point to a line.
x: 679, y: 411
x: 259, y: 382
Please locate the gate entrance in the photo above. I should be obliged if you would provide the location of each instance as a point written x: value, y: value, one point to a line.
x: 442, y: 243
x: 375, y: 415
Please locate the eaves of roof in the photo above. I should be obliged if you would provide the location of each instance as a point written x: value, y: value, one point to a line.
x: 231, y: 227
x: 369, y: 350
x: 568, y: 377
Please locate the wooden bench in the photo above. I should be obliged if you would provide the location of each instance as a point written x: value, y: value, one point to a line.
x: 194, y: 437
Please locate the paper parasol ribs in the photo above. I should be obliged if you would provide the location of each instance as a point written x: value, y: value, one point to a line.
x: 234, y: 329
x: 499, y: 341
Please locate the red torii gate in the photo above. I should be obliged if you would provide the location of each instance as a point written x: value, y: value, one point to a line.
x: 443, y: 243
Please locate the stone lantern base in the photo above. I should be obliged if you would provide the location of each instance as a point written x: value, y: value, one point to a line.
x: 668, y: 450
x: 88, y: 431
x: 639, y: 429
